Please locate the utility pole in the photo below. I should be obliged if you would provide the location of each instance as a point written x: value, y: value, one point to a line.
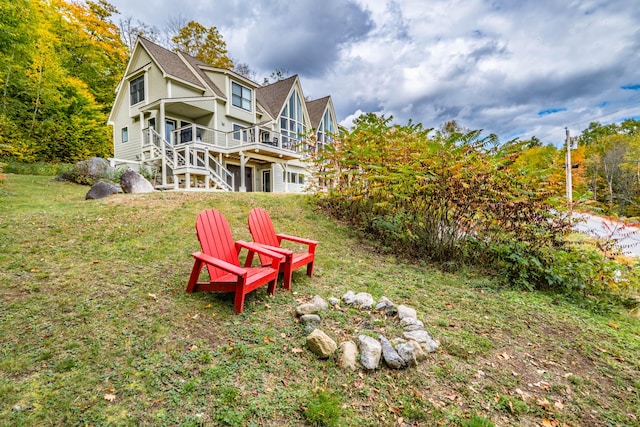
x: 568, y: 167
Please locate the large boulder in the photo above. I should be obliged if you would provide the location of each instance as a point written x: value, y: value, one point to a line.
x: 95, y: 167
x: 89, y: 172
x: 102, y: 189
x: 132, y: 182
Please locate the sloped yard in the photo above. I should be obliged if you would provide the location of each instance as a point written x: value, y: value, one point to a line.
x: 95, y: 328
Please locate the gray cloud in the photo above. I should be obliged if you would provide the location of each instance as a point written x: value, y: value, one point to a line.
x: 490, y: 64
x: 304, y: 37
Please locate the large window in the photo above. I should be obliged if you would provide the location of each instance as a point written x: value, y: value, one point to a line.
x: 325, y: 130
x: 136, y: 89
x: 241, y: 96
x: 292, y: 123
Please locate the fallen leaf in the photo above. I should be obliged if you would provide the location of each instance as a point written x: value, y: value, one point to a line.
x: 110, y: 397
x: 152, y: 296
x: 268, y: 339
x: 207, y: 306
x: 267, y: 305
x: 111, y: 390
x: 297, y: 350
x: 558, y: 404
x: 614, y: 325
x: 543, y: 385
x: 543, y: 403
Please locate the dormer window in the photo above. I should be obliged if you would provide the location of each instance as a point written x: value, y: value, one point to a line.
x: 240, y: 96
x: 136, y: 90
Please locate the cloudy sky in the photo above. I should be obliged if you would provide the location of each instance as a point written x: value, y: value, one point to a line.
x: 515, y: 68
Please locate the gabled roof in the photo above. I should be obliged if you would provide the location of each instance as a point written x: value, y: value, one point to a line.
x: 170, y: 63
x: 316, y: 110
x: 181, y: 66
x: 197, y: 64
x: 272, y: 97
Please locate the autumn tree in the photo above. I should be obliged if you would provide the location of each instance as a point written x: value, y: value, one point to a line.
x: 61, y: 71
x: 205, y: 44
x: 612, y: 165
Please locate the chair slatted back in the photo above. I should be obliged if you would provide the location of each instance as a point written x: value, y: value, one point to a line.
x: 262, y: 231
x: 215, y: 239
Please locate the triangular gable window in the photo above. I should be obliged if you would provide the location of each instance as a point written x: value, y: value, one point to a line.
x: 292, y: 125
x: 326, y: 130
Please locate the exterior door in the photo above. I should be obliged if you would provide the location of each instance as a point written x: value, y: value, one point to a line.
x: 266, y: 181
x: 248, y: 177
x: 169, y: 127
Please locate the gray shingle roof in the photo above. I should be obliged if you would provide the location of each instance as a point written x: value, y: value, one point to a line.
x: 170, y: 63
x: 272, y: 97
x: 196, y: 64
x: 316, y: 110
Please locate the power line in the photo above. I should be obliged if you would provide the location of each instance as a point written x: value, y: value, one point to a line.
x: 577, y: 124
x: 608, y: 114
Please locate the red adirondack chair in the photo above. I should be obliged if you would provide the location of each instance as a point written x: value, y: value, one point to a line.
x: 220, y: 256
x: 262, y: 231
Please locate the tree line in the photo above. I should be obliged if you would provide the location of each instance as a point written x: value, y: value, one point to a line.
x: 60, y: 63
x: 609, y: 174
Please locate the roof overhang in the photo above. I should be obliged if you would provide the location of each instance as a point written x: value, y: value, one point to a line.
x: 193, y: 107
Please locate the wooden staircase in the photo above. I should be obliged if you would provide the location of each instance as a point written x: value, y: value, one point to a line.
x: 184, y: 167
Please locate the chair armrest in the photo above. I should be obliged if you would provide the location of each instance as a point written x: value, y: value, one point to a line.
x: 276, y: 258
x: 218, y: 263
x: 312, y: 243
x: 282, y: 251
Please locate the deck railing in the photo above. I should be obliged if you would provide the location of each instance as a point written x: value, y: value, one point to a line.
x: 235, y: 139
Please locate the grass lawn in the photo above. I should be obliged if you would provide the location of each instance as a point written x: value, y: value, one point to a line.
x: 96, y: 328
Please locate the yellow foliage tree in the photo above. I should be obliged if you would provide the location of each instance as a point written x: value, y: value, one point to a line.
x: 205, y: 44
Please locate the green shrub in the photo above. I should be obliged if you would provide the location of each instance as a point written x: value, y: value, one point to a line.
x: 456, y: 197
